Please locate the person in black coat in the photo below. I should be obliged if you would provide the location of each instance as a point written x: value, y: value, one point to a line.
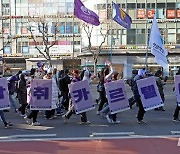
x: 22, y: 94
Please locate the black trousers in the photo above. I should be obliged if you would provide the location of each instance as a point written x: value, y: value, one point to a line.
x: 83, y: 115
x: 49, y: 113
x: 176, y: 112
x: 141, y: 110
x: 22, y: 108
x: 103, y: 100
x: 65, y: 99
x: 33, y: 115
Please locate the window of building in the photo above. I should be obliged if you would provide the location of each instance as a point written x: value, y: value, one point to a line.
x: 5, y: 9
x: 161, y: 13
x: 161, y: 5
x: 150, y: 5
x: 69, y: 28
x: 123, y: 6
x: 171, y: 38
x: 69, y: 7
x: 178, y: 5
x: 141, y: 5
x: 131, y: 5
x: 101, y: 6
x: 171, y: 5
x: 131, y: 36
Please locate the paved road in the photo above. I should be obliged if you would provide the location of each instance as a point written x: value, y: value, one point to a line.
x: 159, y: 124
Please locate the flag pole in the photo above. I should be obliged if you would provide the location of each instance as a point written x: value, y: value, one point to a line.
x: 146, y: 59
x: 111, y: 32
x: 73, y: 45
x: 73, y: 42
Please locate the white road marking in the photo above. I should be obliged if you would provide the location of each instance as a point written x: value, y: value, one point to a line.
x: 112, y: 134
x: 28, y: 136
x: 175, y: 132
x: 88, y: 138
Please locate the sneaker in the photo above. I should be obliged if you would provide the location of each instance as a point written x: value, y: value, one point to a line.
x: 23, y: 115
x: 85, y: 123
x: 98, y: 112
x: 8, y: 124
x: 162, y: 109
x: 141, y: 122
x: 17, y: 111
x: 65, y: 119
x: 176, y: 120
x: 28, y: 121
x: 108, y: 119
x: 116, y: 122
x: 36, y: 124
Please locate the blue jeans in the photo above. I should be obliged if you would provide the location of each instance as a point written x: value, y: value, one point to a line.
x: 2, y: 116
x: 12, y: 101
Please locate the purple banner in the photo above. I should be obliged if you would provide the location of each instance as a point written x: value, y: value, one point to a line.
x: 116, y: 95
x: 81, y: 12
x: 81, y: 96
x: 149, y: 93
x: 41, y: 95
x: 4, y: 96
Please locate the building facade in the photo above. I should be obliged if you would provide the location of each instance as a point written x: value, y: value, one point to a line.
x: 20, y: 19
x: 129, y: 47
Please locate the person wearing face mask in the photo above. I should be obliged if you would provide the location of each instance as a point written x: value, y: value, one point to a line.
x: 141, y: 75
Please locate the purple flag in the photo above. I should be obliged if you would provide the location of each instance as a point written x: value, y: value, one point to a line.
x: 81, y: 96
x: 41, y: 95
x: 4, y: 98
x: 81, y: 12
x: 121, y: 17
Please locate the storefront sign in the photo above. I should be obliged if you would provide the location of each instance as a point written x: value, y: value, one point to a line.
x: 178, y: 13
x: 171, y: 14
x: 150, y: 14
x: 141, y: 13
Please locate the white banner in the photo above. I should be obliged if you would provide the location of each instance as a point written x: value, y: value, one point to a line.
x: 81, y: 96
x: 116, y: 95
x: 149, y: 93
x: 177, y: 88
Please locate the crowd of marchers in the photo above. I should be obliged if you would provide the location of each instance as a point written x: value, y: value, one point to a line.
x: 62, y: 105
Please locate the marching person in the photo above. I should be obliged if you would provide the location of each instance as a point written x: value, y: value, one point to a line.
x: 6, y: 124
x: 50, y: 114
x: 76, y: 78
x: 22, y: 95
x: 160, y: 85
x: 34, y: 113
x: 112, y: 118
x: 141, y: 75
x: 177, y: 109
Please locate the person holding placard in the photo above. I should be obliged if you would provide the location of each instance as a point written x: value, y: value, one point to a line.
x: 141, y: 74
x: 176, y: 112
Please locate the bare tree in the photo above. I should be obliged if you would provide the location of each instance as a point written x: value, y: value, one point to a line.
x: 45, y: 38
x: 97, y: 50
